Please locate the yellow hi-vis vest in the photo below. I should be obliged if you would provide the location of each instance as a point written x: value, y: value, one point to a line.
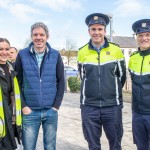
x: 17, y: 108
x: 2, y: 119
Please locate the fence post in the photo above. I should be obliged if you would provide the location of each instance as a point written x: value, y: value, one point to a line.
x: 65, y: 76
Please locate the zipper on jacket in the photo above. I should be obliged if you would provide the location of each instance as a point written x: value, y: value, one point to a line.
x: 39, y: 72
x: 41, y: 91
x: 140, y: 107
x: 99, y: 74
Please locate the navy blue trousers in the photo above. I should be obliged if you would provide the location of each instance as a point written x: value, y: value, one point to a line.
x: 141, y: 130
x: 110, y: 118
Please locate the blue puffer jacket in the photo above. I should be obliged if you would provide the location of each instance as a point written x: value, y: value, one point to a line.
x: 39, y: 86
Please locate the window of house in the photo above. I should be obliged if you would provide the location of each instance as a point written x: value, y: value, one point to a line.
x: 122, y: 51
x: 130, y: 51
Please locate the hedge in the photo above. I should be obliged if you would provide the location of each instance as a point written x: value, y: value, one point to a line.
x: 74, y: 84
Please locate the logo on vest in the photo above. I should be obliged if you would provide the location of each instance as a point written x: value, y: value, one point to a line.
x: 107, y: 53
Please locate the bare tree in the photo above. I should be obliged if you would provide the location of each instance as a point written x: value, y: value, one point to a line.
x: 70, y: 45
x: 27, y: 42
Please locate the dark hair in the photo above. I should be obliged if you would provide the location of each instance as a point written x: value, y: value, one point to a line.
x: 4, y: 40
x: 14, y: 48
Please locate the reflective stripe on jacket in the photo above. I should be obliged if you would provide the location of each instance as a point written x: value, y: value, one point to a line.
x: 17, y: 108
x: 103, y: 75
x: 2, y: 119
x: 17, y: 103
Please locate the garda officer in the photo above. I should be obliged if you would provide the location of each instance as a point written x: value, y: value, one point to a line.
x: 139, y: 67
x: 102, y: 70
x: 10, y: 103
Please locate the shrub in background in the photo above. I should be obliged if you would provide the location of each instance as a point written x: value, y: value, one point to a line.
x: 74, y: 84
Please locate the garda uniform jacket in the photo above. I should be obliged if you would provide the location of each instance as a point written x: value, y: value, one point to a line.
x: 12, y: 131
x: 139, y: 67
x: 103, y: 75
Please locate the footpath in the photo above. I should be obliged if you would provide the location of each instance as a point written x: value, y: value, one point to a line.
x: 69, y: 134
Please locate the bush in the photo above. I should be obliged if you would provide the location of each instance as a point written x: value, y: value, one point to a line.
x: 74, y: 84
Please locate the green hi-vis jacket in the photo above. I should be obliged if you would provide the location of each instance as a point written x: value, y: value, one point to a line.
x: 139, y: 67
x: 10, y: 110
x: 17, y: 109
x: 103, y: 75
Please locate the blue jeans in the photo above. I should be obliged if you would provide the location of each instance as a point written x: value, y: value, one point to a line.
x: 141, y: 130
x: 110, y: 118
x: 31, y: 124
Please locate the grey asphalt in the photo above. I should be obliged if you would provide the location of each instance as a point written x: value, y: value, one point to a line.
x: 69, y: 134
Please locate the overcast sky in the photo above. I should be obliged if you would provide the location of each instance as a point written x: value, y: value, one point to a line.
x: 66, y: 18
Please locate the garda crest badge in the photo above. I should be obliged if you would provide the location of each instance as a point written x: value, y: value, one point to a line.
x: 95, y: 18
x: 143, y: 25
x: 107, y: 53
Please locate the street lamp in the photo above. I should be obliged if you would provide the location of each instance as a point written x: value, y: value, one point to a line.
x: 111, y: 26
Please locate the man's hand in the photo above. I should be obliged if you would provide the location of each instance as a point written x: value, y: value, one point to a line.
x: 26, y: 110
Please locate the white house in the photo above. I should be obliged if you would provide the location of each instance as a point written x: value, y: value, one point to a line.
x: 127, y: 45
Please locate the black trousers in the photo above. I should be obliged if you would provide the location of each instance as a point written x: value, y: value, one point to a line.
x: 141, y: 130
x: 110, y: 118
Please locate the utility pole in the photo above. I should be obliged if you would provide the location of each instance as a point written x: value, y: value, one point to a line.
x: 111, y: 26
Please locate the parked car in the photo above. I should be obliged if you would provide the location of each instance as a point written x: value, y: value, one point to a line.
x: 70, y: 71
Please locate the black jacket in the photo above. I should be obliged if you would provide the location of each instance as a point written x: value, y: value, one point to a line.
x: 139, y: 67
x: 12, y: 131
x: 103, y: 75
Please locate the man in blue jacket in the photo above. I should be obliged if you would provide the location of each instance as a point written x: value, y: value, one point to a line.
x: 41, y: 78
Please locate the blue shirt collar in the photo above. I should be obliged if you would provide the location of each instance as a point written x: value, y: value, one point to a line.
x: 98, y: 49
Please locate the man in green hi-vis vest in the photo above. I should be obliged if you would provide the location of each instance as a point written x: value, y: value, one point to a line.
x: 139, y: 67
x: 103, y: 73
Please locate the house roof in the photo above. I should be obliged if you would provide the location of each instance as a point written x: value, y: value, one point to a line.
x: 124, y: 42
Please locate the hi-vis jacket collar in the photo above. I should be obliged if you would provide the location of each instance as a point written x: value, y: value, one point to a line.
x: 145, y: 52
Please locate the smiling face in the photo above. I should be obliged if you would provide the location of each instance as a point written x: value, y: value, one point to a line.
x: 143, y: 40
x: 4, y: 52
x: 97, y: 33
x: 39, y: 39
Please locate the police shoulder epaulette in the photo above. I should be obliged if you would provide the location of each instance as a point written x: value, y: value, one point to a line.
x: 114, y: 44
x: 135, y: 52
x: 83, y: 46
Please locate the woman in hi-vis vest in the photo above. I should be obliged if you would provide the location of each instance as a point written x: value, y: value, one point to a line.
x: 10, y: 103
